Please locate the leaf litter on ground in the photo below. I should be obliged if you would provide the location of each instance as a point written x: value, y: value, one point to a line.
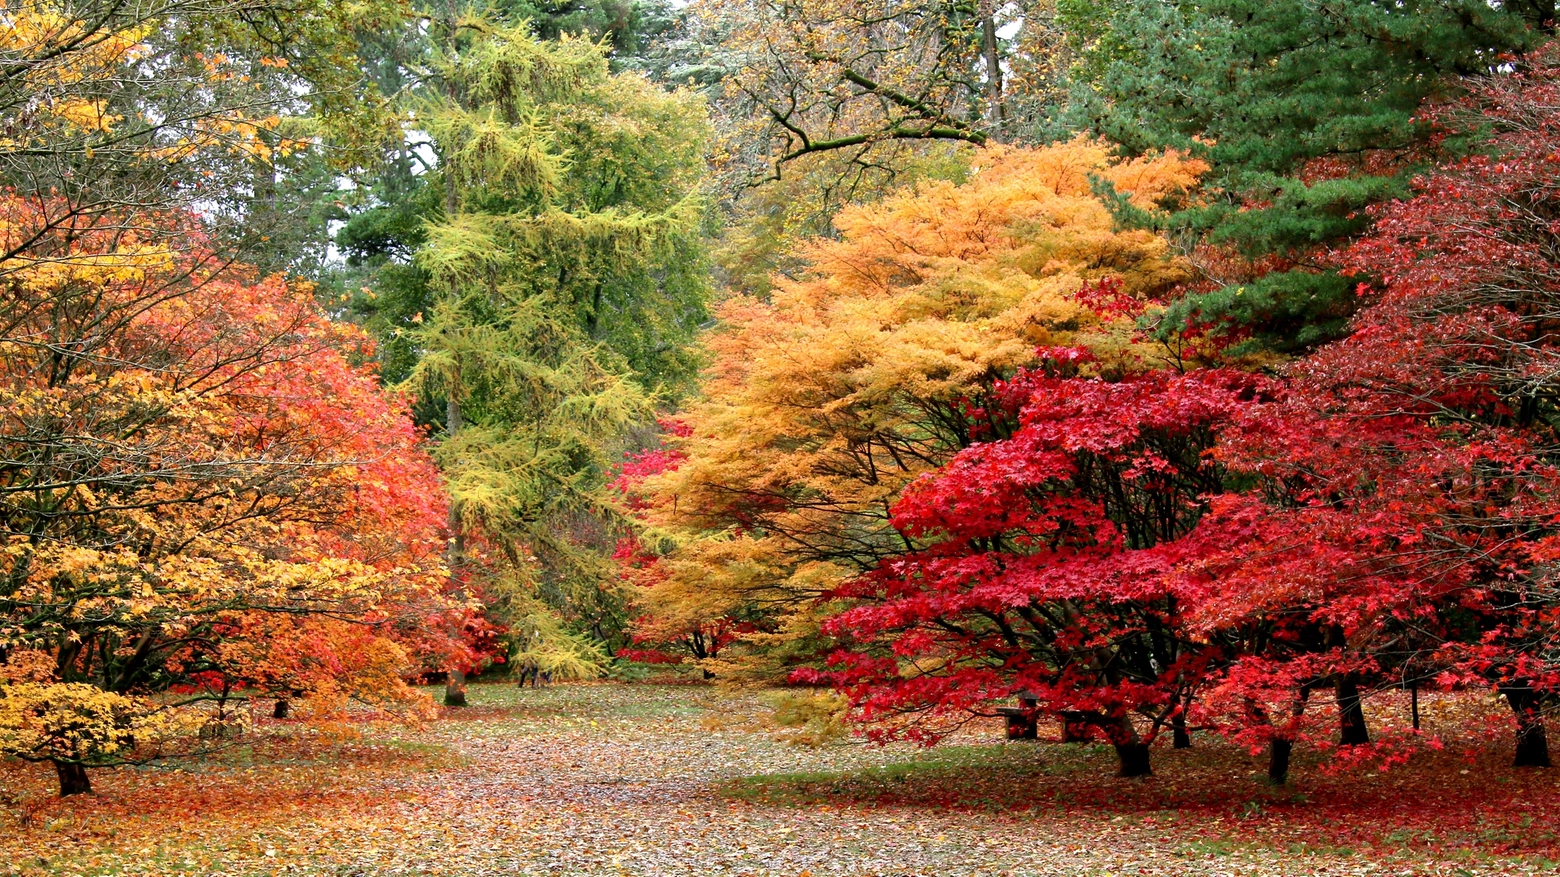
x: 617, y: 779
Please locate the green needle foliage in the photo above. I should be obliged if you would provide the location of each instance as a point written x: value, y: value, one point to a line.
x: 567, y: 278
x: 627, y: 27
x: 575, y: 187
x: 1307, y: 111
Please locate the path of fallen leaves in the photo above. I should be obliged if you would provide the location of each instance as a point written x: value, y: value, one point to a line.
x: 648, y: 780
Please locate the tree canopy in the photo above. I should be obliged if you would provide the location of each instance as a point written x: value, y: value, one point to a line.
x: 875, y: 366
x: 1307, y: 114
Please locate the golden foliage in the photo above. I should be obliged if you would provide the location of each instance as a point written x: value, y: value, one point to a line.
x: 823, y: 403
x: 201, y: 487
x: 75, y: 722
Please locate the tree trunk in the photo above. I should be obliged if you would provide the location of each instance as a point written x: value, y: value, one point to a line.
x: 132, y: 667
x: 1532, y: 740
x: 1183, y: 736
x: 455, y: 554
x: 282, y: 708
x: 1351, y: 713
x: 73, y: 778
x: 455, y: 689
x: 1279, y: 749
x: 1134, y: 759
x: 996, y: 110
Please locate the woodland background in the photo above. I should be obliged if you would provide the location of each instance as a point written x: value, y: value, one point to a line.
x: 1170, y: 370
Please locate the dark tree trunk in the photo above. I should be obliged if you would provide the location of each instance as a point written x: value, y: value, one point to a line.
x: 1532, y: 740
x: 73, y: 778
x: 1279, y: 750
x: 455, y: 554
x: 133, y: 666
x: 996, y: 111
x: 1183, y: 737
x: 1352, y: 730
x: 282, y: 709
x: 1134, y: 759
x: 455, y: 689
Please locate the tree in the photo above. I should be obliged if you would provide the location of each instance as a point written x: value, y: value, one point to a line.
x: 386, y: 218
x: 1047, y: 548
x: 1308, y: 114
x: 1410, y: 474
x: 821, y: 106
x: 767, y: 228
x: 1278, y: 597
x: 74, y: 724
x: 112, y: 108
x: 629, y: 27
x: 567, y: 272
x: 189, y: 455
x: 861, y: 78
x: 873, y: 367
x: 676, y: 630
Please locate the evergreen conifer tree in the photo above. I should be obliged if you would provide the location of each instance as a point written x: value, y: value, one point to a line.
x: 1308, y: 113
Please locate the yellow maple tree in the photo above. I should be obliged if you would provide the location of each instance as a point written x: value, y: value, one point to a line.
x: 825, y: 401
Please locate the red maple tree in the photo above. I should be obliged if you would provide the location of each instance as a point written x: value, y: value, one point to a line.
x: 1047, y: 571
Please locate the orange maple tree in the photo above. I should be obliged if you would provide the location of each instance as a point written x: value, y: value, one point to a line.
x: 203, y: 489
x: 825, y: 401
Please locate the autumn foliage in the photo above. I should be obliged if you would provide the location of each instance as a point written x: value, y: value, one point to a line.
x: 1411, y: 470
x: 872, y: 368
x: 1048, y: 550
x: 204, y: 491
x: 953, y: 452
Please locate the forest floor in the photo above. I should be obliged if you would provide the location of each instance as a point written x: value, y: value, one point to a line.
x: 689, y: 780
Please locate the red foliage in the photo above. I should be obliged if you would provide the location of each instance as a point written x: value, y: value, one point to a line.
x: 1047, y: 572
x: 1388, y: 514
x: 1409, y: 477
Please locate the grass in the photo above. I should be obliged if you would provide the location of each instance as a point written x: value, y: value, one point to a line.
x: 1463, y: 804
x: 961, y: 775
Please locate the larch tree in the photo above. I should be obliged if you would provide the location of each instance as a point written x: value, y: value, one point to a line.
x: 568, y: 273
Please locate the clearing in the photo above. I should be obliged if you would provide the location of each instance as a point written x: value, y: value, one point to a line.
x: 650, y: 780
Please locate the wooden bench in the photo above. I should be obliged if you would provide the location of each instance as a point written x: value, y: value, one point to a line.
x: 1021, y: 724
x: 1023, y: 721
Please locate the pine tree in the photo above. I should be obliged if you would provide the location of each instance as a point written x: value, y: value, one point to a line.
x: 1308, y: 114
